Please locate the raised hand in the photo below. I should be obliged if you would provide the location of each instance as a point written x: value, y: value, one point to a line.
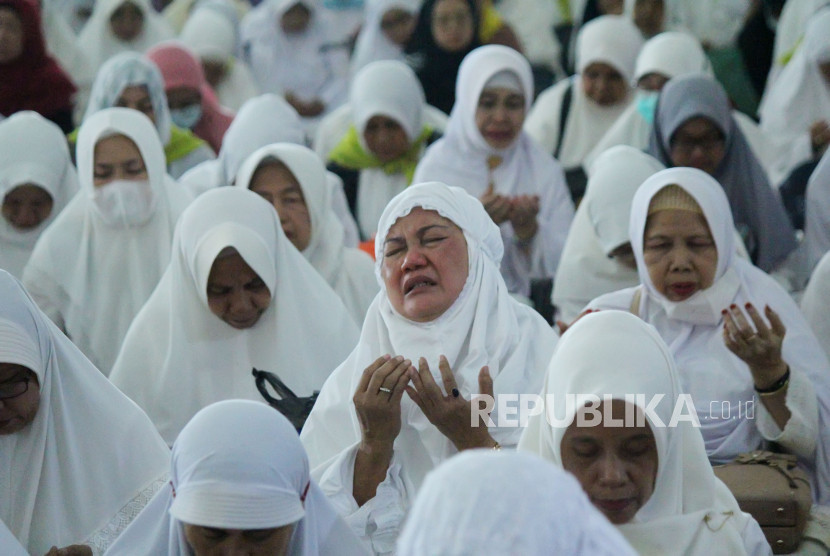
x: 759, y: 346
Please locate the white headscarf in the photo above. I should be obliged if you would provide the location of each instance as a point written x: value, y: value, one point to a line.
x: 348, y: 271
x: 196, y: 358
x: 238, y: 464
x: 99, y: 43
x: 610, y: 39
x: 484, y: 326
x: 33, y: 150
x: 90, y: 459
x: 372, y: 43
x: 614, y: 353
x: 480, y: 502
x: 693, y: 329
x: 586, y: 270
x: 460, y: 159
x: 93, y: 276
x: 816, y: 215
x: 125, y: 70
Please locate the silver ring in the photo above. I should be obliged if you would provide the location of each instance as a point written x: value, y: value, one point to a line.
x: 383, y: 389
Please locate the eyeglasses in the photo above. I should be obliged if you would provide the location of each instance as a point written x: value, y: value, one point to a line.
x: 707, y: 143
x: 9, y: 390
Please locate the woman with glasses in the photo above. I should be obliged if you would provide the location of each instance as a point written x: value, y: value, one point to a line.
x: 78, y: 459
x: 694, y: 127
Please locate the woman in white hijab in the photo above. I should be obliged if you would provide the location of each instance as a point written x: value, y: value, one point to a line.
x: 133, y: 81
x: 236, y: 295
x: 816, y: 240
x: 486, y: 152
x: 37, y: 180
x: 694, y: 292
x: 444, y: 307
x: 591, y: 101
x: 99, y: 261
x: 212, y: 32
x: 540, y: 510
x: 795, y: 112
x: 653, y: 480
x: 293, y: 179
x: 80, y: 468
x: 386, y: 29
x: 238, y: 467
x: 386, y: 127
x: 121, y: 25
x: 814, y: 302
x: 597, y: 258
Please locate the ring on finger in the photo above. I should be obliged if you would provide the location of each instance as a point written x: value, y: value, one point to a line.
x: 384, y: 389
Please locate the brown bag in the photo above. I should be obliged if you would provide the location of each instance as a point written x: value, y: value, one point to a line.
x: 774, y: 491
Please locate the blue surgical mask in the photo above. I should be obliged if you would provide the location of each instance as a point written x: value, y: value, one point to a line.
x: 187, y: 117
x: 647, y: 104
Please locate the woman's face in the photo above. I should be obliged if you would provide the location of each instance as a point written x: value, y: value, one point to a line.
x: 11, y: 35
x: 648, y: 16
x: 296, y: 19
x: 235, y: 293
x: 500, y: 115
x: 19, y: 397
x: 616, y: 466
x: 603, y: 84
x: 397, y: 25
x: 679, y: 253
x: 138, y: 98
x: 209, y: 541
x: 127, y: 21
x: 275, y: 183
x: 698, y: 143
x: 453, y: 27
x: 117, y: 158
x: 424, y: 265
x: 26, y: 206
x: 385, y: 138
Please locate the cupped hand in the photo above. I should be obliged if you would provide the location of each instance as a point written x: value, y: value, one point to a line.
x: 377, y: 399
x: 756, y: 344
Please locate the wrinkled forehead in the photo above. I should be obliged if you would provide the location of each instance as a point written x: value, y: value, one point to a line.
x: 416, y: 219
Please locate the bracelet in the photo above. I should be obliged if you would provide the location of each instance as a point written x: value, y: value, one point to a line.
x: 779, y: 385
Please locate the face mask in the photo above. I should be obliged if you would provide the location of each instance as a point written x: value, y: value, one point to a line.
x: 187, y: 117
x: 647, y: 104
x: 125, y: 203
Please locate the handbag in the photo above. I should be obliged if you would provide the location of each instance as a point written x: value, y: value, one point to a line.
x: 770, y: 487
x: 295, y: 408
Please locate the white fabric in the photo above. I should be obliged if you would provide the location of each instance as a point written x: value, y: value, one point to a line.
x: 816, y: 240
x: 197, y: 358
x: 613, y: 353
x: 611, y: 40
x: 586, y: 270
x: 99, y: 43
x: 90, y: 459
x: 669, y: 54
x: 92, y: 278
x: 532, y: 22
x: 372, y: 44
x: 460, y: 159
x: 33, y: 150
x: 484, y: 326
x: 718, y: 381
x: 349, y: 271
x: 714, y: 22
x: 814, y: 302
x: 9, y: 544
x: 799, y: 97
x: 481, y: 503
x: 274, y: 56
x: 789, y: 32
x: 242, y: 461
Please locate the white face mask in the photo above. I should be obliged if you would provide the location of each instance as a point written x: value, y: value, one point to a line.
x: 187, y: 117
x: 125, y: 203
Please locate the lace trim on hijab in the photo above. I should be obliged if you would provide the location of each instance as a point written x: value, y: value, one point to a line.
x: 101, y: 539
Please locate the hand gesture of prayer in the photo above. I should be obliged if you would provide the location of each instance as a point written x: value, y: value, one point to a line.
x: 450, y: 412
x: 759, y: 346
x: 523, y: 211
x: 71, y: 550
x: 378, y: 400
x: 498, y: 207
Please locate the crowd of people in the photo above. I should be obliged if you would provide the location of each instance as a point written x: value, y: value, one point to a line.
x: 448, y: 234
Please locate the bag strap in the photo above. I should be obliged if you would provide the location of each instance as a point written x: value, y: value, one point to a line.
x: 564, y: 111
x: 278, y: 385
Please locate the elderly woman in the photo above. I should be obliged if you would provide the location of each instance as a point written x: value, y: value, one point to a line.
x: 78, y: 460
x: 96, y: 264
x: 486, y: 152
x: 242, y: 489
x: 541, y: 510
x: 37, y: 180
x: 694, y: 293
x: 235, y: 295
x: 647, y: 471
x: 443, y: 317
x: 694, y: 127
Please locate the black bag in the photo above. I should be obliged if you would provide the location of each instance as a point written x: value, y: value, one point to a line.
x: 293, y: 407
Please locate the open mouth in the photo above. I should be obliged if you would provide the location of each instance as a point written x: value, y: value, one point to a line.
x: 417, y: 284
x: 683, y: 289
